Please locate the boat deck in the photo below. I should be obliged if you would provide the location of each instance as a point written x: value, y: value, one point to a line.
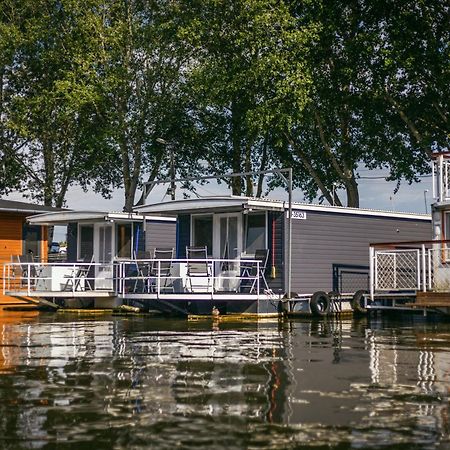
x: 61, y: 294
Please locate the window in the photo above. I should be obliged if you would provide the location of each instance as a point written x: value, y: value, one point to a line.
x: 123, y: 239
x: 31, y: 240
x: 255, y: 233
x: 85, y: 242
x: 202, y: 227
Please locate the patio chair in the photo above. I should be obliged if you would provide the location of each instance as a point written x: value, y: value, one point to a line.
x: 141, y: 270
x: 197, y: 268
x: 78, y: 274
x: 23, y: 268
x: 250, y: 270
x: 161, y: 267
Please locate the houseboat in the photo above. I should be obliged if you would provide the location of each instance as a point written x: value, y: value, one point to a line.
x: 414, y: 275
x: 229, y: 255
x: 243, y: 245
x: 97, y: 245
x: 20, y: 240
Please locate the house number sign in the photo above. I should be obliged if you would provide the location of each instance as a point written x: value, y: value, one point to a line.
x: 298, y: 215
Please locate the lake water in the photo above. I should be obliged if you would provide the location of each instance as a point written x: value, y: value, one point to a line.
x: 134, y: 382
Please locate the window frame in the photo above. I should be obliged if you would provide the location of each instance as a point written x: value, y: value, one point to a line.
x: 266, y: 230
x: 79, y: 226
x: 116, y: 241
x: 192, y: 232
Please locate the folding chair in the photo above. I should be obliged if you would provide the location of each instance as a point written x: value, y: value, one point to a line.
x: 250, y: 269
x: 141, y: 269
x: 161, y: 267
x: 197, y: 268
x: 79, y: 273
x: 21, y: 269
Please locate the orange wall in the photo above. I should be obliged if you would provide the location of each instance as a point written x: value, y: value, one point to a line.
x: 11, y: 244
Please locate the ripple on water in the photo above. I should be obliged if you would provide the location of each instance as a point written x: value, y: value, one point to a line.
x: 117, y: 383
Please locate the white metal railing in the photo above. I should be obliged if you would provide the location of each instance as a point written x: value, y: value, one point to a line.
x: 28, y: 278
x: 423, y: 268
x: 146, y: 276
x: 188, y: 276
x: 441, y: 173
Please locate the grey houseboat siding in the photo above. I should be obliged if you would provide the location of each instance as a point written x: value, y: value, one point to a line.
x: 160, y: 234
x: 323, y: 242
x: 325, y: 246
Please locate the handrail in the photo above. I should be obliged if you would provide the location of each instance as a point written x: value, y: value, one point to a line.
x: 159, y: 280
x: 399, y: 243
x: 32, y: 277
x: 72, y: 277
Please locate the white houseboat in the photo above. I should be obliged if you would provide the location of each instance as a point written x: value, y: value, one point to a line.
x: 97, y: 243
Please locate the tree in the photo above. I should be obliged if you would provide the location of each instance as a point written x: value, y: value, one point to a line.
x: 52, y: 107
x: 371, y: 94
x: 242, y: 48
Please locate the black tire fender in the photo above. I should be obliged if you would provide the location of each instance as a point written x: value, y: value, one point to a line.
x: 357, y: 302
x: 320, y: 303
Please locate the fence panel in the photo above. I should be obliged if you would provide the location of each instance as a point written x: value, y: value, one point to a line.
x: 397, y: 270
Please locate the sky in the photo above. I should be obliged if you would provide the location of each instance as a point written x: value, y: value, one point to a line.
x: 375, y: 193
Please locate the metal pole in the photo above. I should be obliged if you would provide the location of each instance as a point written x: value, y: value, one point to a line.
x: 289, y: 278
x: 425, y: 200
x: 172, y: 176
x: 280, y: 172
x: 372, y: 279
x: 424, y: 270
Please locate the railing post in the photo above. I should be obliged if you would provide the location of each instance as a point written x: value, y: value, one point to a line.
x: 158, y: 280
x: 213, y: 274
x: 429, y: 267
x: 372, y: 278
x: 28, y: 278
x: 418, y: 271
x: 122, y: 277
x: 424, y: 270
x: 257, y: 278
x: 395, y: 270
x: 445, y: 162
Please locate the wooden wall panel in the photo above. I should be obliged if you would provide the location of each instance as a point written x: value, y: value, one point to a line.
x: 11, y: 243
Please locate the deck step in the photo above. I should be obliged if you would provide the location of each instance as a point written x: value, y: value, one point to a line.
x: 433, y: 299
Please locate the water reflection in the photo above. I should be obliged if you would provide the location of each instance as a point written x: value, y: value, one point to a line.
x: 138, y: 382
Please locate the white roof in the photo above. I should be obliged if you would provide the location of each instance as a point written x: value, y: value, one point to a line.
x: 64, y: 217
x: 208, y: 204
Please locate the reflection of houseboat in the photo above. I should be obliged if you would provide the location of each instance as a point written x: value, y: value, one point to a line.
x: 415, y: 274
x: 20, y: 239
x: 230, y: 256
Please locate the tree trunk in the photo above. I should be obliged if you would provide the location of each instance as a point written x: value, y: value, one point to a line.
x: 248, y: 168
x: 314, y: 174
x: 49, y: 170
x: 351, y: 187
x: 151, y: 177
x: 262, y: 167
x: 236, y: 182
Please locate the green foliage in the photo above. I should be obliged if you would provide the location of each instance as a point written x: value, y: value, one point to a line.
x: 87, y: 88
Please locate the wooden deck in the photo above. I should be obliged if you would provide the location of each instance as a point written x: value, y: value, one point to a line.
x: 432, y: 300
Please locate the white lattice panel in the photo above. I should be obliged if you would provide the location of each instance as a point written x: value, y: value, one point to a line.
x: 397, y: 270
